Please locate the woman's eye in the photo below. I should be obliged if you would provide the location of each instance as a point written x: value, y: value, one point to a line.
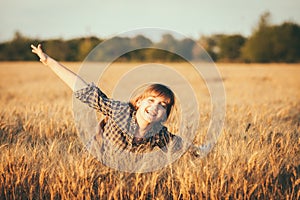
x: 150, y: 100
x: 164, y: 105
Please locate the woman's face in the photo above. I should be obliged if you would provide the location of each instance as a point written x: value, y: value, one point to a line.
x: 152, y: 109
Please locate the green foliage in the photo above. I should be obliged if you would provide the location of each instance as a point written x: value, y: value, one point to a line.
x: 287, y: 43
x: 230, y: 47
x: 274, y: 44
x: 268, y: 43
x: 264, y: 21
x: 212, y: 45
x: 16, y: 50
x: 70, y: 50
x: 151, y: 55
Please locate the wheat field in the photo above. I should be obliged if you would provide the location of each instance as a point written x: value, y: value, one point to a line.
x: 257, y: 155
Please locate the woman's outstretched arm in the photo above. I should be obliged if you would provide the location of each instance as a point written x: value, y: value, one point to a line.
x: 68, y: 76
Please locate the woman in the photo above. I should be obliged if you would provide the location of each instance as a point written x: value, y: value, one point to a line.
x: 135, y: 126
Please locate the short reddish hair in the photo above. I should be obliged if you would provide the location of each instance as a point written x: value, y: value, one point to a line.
x: 156, y: 90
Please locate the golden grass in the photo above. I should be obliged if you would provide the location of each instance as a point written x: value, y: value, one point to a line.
x: 256, y: 157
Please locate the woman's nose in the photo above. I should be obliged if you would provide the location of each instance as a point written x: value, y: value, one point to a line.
x: 154, y: 107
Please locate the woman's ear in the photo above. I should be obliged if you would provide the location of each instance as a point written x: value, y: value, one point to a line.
x: 138, y: 103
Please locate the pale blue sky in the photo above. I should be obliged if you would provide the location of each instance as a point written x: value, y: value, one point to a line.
x: 105, y: 18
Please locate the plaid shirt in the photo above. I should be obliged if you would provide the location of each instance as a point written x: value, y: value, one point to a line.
x: 121, y: 124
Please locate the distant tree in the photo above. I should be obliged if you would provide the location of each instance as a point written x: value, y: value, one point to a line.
x: 57, y: 48
x: 212, y: 45
x: 160, y: 55
x: 111, y: 49
x: 73, y: 52
x: 168, y: 42
x: 286, y: 42
x: 17, y: 49
x: 230, y: 47
x: 264, y: 21
x: 258, y: 46
x: 273, y: 43
x: 85, y: 46
x: 140, y: 41
x: 185, y: 48
x: 141, y: 44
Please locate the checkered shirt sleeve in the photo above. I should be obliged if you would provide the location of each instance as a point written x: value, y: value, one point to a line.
x: 95, y: 98
x: 117, y: 128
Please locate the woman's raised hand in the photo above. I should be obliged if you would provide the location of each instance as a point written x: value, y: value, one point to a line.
x: 39, y: 52
x: 68, y: 76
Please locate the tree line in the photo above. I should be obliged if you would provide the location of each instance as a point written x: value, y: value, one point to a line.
x: 267, y: 43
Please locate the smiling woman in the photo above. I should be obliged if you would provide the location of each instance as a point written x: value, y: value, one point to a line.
x: 130, y: 129
x: 128, y: 122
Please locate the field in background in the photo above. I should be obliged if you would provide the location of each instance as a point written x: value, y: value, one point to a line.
x: 256, y: 157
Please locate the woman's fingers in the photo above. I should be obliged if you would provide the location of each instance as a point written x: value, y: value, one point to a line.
x: 37, y: 50
x: 34, y: 49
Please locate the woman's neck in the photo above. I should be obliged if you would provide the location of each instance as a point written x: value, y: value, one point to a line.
x: 143, y: 126
x: 142, y: 130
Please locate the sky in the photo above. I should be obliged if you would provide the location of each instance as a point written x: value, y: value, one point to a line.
x: 66, y: 19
